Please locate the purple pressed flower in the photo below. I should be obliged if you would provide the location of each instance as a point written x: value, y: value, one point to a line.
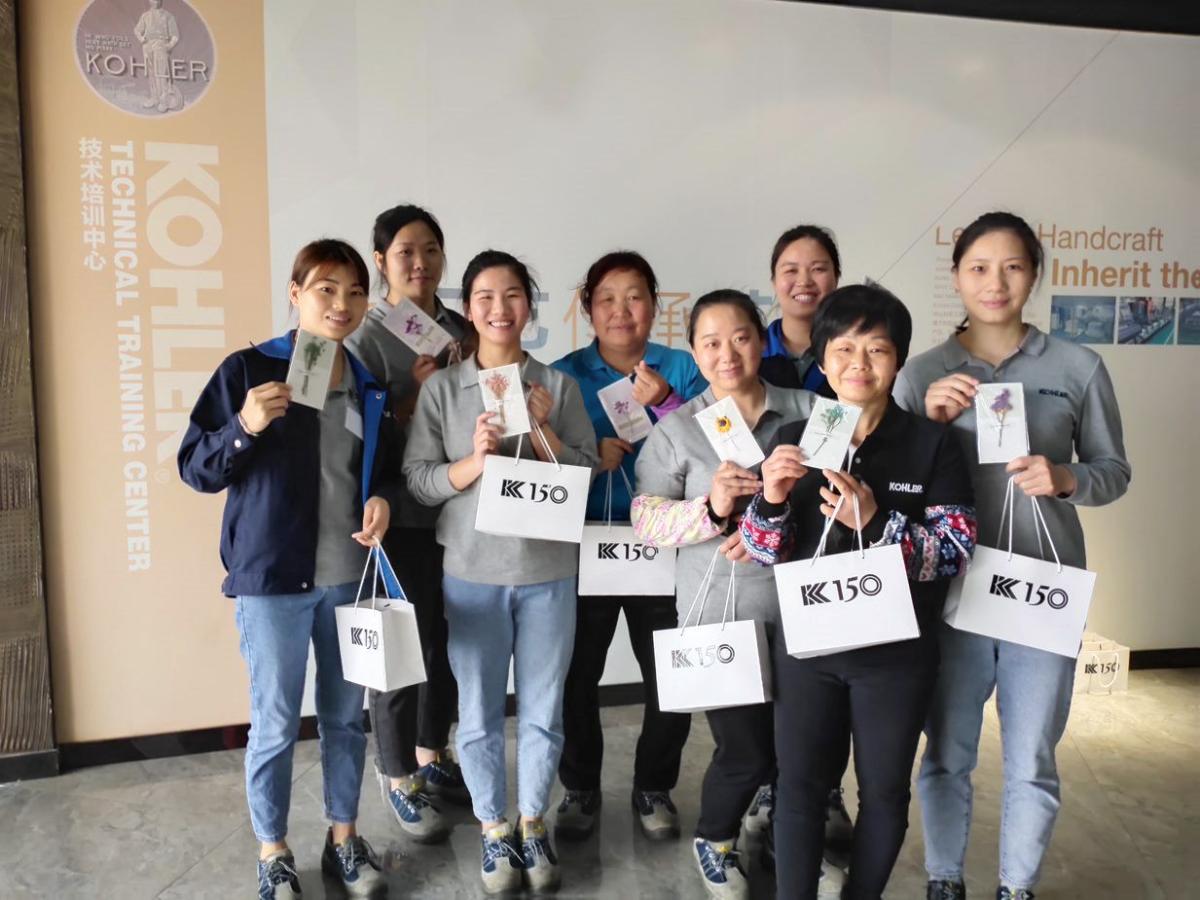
x: 1001, y: 406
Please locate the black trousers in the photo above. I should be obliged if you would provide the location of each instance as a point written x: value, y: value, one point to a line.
x: 880, y: 696
x: 742, y: 761
x: 419, y: 715
x: 656, y: 762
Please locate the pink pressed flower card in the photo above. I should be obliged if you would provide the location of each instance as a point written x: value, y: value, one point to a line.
x: 417, y: 330
x: 1001, y: 434
x: 504, y: 397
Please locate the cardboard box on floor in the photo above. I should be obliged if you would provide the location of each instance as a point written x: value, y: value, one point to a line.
x: 1102, y: 666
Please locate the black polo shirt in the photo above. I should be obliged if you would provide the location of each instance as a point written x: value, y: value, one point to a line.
x: 910, y: 463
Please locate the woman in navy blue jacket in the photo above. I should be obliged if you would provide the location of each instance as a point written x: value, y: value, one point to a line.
x: 307, y: 492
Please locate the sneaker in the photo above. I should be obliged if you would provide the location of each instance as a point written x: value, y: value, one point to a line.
x: 1004, y: 892
x: 657, y: 814
x: 945, y: 890
x: 354, y: 864
x: 502, y: 866
x: 575, y: 818
x: 719, y: 867
x: 542, y: 874
x: 832, y: 882
x: 413, y: 809
x: 277, y: 878
x: 444, y: 780
x: 758, y: 816
x: 839, y: 830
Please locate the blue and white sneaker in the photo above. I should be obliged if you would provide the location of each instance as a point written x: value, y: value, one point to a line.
x: 542, y: 874
x: 444, y: 780
x: 719, y: 867
x: 354, y: 865
x: 502, y: 863
x: 758, y: 816
x: 413, y: 809
x: 277, y: 878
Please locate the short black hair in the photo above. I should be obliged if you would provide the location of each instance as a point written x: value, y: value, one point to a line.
x: 859, y: 308
x: 726, y: 297
x: 813, y: 233
x: 617, y: 261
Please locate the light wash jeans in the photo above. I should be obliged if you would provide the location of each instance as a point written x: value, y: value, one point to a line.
x: 275, y: 633
x: 534, y: 626
x: 1033, y: 698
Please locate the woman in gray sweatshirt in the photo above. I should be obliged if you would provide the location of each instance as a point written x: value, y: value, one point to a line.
x: 1077, y: 458
x: 507, y: 598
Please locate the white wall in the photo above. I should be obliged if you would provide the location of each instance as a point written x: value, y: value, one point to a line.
x: 696, y: 131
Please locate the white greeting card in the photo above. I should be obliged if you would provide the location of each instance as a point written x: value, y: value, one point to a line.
x: 504, y: 396
x: 1001, y: 433
x: 311, y: 369
x: 416, y: 329
x: 628, y: 417
x: 828, y: 432
x: 729, y: 435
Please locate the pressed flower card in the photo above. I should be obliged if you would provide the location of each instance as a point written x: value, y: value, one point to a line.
x: 628, y: 417
x: 1001, y: 434
x: 504, y: 397
x: 828, y: 432
x: 729, y: 435
x: 416, y: 329
x: 311, y: 368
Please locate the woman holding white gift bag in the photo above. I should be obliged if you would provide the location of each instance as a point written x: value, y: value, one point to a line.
x: 1076, y: 458
x: 305, y: 488
x: 688, y: 498
x: 906, y: 483
x: 507, y: 598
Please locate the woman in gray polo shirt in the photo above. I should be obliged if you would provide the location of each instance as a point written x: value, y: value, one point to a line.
x: 507, y: 598
x: 688, y: 498
x: 1077, y: 458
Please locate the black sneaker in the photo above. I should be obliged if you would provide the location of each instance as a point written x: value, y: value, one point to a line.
x: 575, y: 819
x: 657, y: 814
x: 945, y: 890
x: 443, y: 778
x: 839, y: 830
x: 277, y: 878
x: 1004, y: 892
x: 354, y: 864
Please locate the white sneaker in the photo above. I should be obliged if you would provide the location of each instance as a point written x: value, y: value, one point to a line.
x: 758, y: 816
x: 832, y: 881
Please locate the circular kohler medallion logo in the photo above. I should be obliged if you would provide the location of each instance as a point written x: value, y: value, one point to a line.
x: 146, y: 57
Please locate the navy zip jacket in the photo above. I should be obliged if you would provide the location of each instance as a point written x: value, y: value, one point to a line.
x: 269, y: 529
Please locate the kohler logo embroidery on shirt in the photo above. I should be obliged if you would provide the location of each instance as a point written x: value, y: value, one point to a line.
x: 904, y: 487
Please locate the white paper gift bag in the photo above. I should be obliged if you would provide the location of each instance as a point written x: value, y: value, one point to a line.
x: 614, y: 563
x: 378, y: 640
x: 701, y: 667
x: 1102, y: 667
x: 829, y: 604
x: 527, y: 498
x: 1020, y: 599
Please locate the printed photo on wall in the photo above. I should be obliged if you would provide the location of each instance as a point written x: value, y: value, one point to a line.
x: 827, y: 435
x: 1083, y: 320
x: 504, y: 396
x: 1001, y: 434
x: 416, y: 329
x: 726, y: 430
x: 628, y: 417
x: 1145, y: 320
x: 1189, y: 321
x: 311, y: 369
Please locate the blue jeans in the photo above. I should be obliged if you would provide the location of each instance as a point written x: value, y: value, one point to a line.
x: 275, y: 632
x: 1033, y: 699
x: 534, y: 626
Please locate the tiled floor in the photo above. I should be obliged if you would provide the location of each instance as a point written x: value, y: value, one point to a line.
x: 177, y: 828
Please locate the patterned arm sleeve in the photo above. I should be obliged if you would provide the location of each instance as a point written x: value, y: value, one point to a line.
x: 767, y: 535
x: 939, y: 547
x: 672, y: 523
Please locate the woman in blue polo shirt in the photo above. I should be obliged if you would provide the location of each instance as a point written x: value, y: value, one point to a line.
x: 620, y: 297
x: 307, y: 491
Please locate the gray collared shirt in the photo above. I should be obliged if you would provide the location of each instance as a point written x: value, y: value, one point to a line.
x: 443, y: 432
x: 678, y: 462
x: 1073, y: 420
x: 339, y: 508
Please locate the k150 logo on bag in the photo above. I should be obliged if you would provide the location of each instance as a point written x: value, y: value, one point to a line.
x: 702, y: 657
x: 538, y: 493
x: 367, y: 638
x: 866, y: 585
x: 1099, y: 668
x: 1055, y: 598
x: 629, y: 553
